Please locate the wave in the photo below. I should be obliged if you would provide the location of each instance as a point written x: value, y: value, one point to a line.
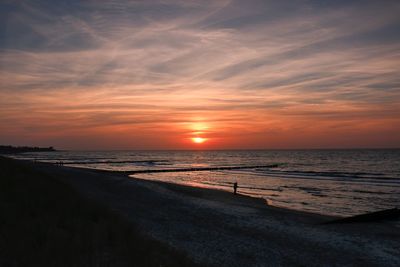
x: 355, y: 177
x: 136, y: 162
x: 329, y: 173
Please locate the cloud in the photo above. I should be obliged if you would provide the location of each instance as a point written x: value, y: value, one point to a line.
x: 251, y: 66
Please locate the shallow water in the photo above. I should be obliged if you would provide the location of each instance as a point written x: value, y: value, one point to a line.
x: 331, y: 182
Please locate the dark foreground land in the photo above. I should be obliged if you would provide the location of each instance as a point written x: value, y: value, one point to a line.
x: 57, y: 213
x: 46, y: 222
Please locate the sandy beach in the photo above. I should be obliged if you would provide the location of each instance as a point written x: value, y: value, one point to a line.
x: 217, y: 228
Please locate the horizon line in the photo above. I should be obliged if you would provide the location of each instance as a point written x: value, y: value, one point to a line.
x: 237, y: 149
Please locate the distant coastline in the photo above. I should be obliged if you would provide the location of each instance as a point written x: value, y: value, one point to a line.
x: 8, y: 149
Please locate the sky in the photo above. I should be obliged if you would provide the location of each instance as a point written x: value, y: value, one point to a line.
x: 233, y: 74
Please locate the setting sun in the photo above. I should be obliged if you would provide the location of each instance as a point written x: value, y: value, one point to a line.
x: 198, y: 140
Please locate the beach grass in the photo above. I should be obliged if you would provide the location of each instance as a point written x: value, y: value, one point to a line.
x: 45, y: 222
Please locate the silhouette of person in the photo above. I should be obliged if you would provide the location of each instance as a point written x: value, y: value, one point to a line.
x: 235, y: 186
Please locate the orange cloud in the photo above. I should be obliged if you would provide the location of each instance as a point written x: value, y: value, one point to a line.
x: 220, y: 71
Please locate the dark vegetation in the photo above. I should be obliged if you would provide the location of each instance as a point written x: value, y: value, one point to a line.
x: 44, y: 222
x: 21, y: 149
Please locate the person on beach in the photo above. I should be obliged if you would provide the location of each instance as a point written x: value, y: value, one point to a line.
x: 235, y: 186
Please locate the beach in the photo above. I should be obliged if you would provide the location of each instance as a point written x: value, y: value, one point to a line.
x: 217, y: 228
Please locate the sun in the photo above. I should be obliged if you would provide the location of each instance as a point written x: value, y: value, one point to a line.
x: 198, y: 140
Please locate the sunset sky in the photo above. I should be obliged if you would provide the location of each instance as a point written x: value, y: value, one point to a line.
x: 233, y: 74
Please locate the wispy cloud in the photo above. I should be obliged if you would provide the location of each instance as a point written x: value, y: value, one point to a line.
x: 258, y: 73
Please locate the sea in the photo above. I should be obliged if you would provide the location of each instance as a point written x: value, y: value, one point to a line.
x: 330, y: 182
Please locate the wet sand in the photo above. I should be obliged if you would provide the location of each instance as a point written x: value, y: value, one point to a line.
x: 217, y: 228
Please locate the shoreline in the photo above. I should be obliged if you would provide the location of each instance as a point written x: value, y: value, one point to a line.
x: 215, y: 227
x: 229, y: 189
x: 261, y: 202
x: 337, y: 184
x: 252, y: 200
